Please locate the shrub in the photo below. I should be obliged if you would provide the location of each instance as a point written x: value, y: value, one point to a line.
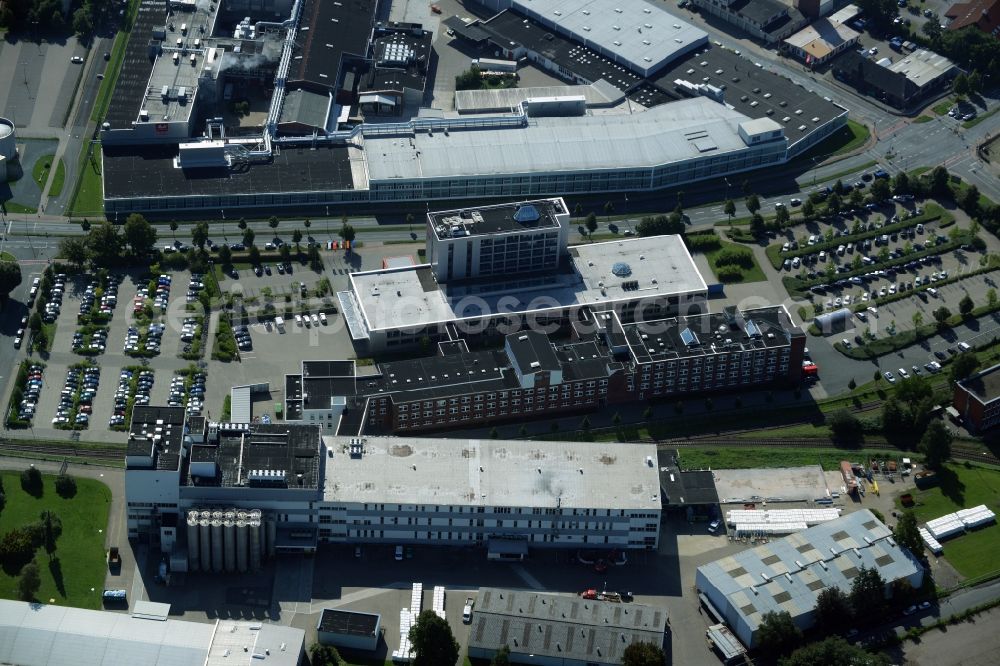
x: 729, y: 274
x: 31, y: 481
x: 65, y: 486
x: 703, y: 242
x: 16, y: 550
x: 740, y: 258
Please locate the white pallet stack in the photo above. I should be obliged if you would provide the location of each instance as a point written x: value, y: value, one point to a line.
x: 976, y: 516
x: 416, y: 598
x: 751, y: 529
x: 808, y: 516
x: 932, y: 544
x: 437, y: 604
x: 405, y: 652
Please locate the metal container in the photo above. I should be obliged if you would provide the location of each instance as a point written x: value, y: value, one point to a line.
x: 217, y: 545
x: 205, y: 544
x: 254, y: 527
x: 241, y: 546
x: 272, y: 534
x: 192, y: 534
x: 229, y: 552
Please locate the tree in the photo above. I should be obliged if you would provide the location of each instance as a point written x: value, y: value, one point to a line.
x: 35, y: 323
x: 753, y: 203
x: 273, y: 222
x: 140, y: 235
x: 502, y: 657
x: 757, y: 224
x: 991, y: 297
x: 105, y: 245
x: 918, y: 319
x: 939, y: 182
x: 661, y: 225
x: 225, y: 255
x: 433, y: 641
x: 609, y: 208
x: 285, y: 253
x: 833, y: 650
x: 253, y: 255
x: 85, y: 225
x: 936, y: 444
x: 852, y: 384
x: 868, y: 596
x: 10, y: 278
x: 29, y: 582
x: 900, y: 183
x: 908, y: 534
x: 83, y: 25
x: 242, y: 224
x: 51, y: 530
x: 808, y: 208
x: 308, y: 223
x: 932, y: 29
x: 494, y: 433
x: 966, y: 306
x: 324, y: 655
x: 729, y: 208
x: 173, y: 228
x: 585, y: 423
x: 975, y: 82
x: 963, y: 365
x: 31, y: 481
x: 199, y: 234
x: 469, y: 79
x: 782, y: 217
x: 347, y: 233
x: 968, y: 200
x: 74, y: 250
x: 65, y: 486
x: 881, y: 190
x: 777, y: 633
x: 16, y: 550
x: 248, y: 237
x: 643, y: 653
x: 845, y: 427
x: 591, y: 223
x: 834, y: 204
x: 960, y: 86
x: 833, y: 610
x: 942, y: 314
x: 297, y: 238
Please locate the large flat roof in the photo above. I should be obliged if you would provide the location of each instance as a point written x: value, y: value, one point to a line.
x: 149, y: 171
x: 788, y: 574
x: 687, y: 130
x: 328, y: 31
x: 922, y: 66
x: 562, y: 627
x: 130, y: 87
x: 755, y: 92
x: 634, y: 32
x: 499, y: 100
x: 157, y: 432
x: 243, y: 449
x: 984, y: 385
x: 410, y: 297
x: 472, y: 472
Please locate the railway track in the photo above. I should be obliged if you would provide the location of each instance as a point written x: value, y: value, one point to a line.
x: 67, y: 450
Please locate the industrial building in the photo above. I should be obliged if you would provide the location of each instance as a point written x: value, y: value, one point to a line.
x: 691, y: 493
x: 977, y: 399
x: 825, y: 38
x: 770, y: 21
x: 788, y: 574
x: 49, y: 635
x: 533, y: 376
x: 172, y: 141
x: 224, y: 497
x: 907, y: 81
x: 349, y: 629
x: 558, y: 630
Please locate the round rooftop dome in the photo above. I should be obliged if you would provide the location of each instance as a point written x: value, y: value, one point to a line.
x: 621, y: 269
x: 5, y: 130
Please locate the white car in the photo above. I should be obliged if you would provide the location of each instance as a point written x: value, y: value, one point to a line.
x: 889, y: 378
x: 298, y: 320
x: 315, y: 320
x: 322, y: 318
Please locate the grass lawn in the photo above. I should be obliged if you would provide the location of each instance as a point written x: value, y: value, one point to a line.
x: 980, y: 118
x: 973, y: 554
x: 89, y: 197
x: 80, y: 548
x: 844, y: 140
x: 752, y: 274
x: 739, y: 458
x: 14, y: 207
x: 41, y: 171
x: 942, y: 107
x: 7, y: 256
x: 923, y: 119
x: 58, y: 180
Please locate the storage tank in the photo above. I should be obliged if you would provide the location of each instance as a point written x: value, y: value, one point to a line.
x: 205, y: 543
x: 241, y: 546
x: 192, y: 533
x: 229, y: 553
x: 8, y: 140
x: 217, y: 545
x: 272, y: 533
x: 254, y: 527
x: 254, y: 514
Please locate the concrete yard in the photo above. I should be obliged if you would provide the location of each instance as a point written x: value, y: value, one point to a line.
x: 774, y: 485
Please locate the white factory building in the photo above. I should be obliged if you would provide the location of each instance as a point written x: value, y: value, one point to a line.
x: 225, y: 497
x: 788, y: 574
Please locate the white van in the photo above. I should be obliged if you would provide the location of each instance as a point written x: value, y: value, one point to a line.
x: 298, y: 320
x: 964, y: 346
x: 279, y: 324
x: 398, y: 555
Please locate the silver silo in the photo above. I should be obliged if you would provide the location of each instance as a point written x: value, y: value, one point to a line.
x: 217, y: 545
x: 205, y: 543
x: 272, y: 533
x: 254, y: 527
x: 192, y: 534
x: 229, y: 554
x: 241, y: 546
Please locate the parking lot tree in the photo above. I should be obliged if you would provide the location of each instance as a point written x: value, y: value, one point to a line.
x: 199, y: 234
x: 285, y: 253
x: 960, y: 86
x: 833, y: 610
x: 856, y: 198
x: 975, y: 81
x: 225, y: 255
x: 140, y: 235
x: 10, y: 278
x: 105, y: 245
x: 900, y: 183
x: 966, y: 306
x: 782, y: 217
x: 908, y: 534
x: 752, y: 203
x: 880, y: 12
x: 297, y: 237
x: 936, y: 444
x: 918, y: 319
x: 248, y: 236
x: 777, y: 634
x: 933, y: 31
x: 643, y: 653
x: 324, y: 655
x: 963, y: 365
x: 315, y: 261
x: 253, y: 255
x: 591, y: 224
x: 35, y: 323
x: 74, y: 250
x: 833, y: 204
x: 991, y: 297
x: 757, y: 225
x: 272, y: 222
x: 942, y: 314
x: 808, y: 209
x: 968, y: 200
x: 880, y: 189
x: 833, y: 650
x: 433, y: 641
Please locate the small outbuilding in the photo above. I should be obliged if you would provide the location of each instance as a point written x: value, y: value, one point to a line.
x: 349, y: 629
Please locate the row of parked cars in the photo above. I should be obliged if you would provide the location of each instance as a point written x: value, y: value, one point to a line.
x: 54, y: 305
x: 98, y: 341
x: 144, y: 384
x: 195, y: 396
x: 264, y: 269
x: 109, y: 299
x: 309, y: 320
x: 19, y: 336
x: 80, y: 389
x: 194, y: 287
x: 243, y: 341
x: 29, y: 397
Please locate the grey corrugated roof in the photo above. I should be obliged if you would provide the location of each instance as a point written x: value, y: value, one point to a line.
x: 306, y: 108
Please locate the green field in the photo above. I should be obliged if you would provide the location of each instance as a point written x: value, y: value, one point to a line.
x: 973, y: 554
x: 752, y: 274
x: 58, y: 180
x: 41, y: 170
x: 943, y: 107
x: 80, y: 558
x: 844, y: 140
x: 740, y: 458
x: 923, y: 119
x: 89, y: 197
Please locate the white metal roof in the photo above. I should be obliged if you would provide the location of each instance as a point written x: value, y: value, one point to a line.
x: 240, y: 402
x: 665, y: 134
x: 450, y: 472
x: 635, y: 32
x: 922, y: 66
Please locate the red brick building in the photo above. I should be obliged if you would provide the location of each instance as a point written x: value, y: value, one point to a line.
x: 977, y: 399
